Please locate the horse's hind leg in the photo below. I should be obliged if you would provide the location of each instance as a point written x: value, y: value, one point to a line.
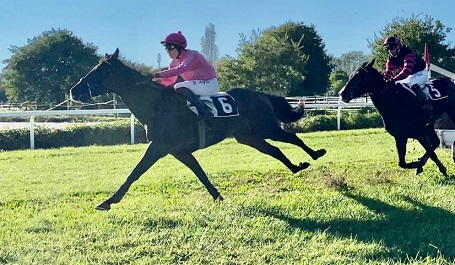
x: 434, y: 142
x: 453, y: 151
x: 429, y: 143
x: 266, y: 148
x: 287, y: 137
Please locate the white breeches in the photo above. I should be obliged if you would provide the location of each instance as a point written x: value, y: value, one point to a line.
x: 200, y: 87
x: 419, y: 78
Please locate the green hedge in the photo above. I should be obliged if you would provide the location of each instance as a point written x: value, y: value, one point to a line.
x: 118, y: 131
x: 361, y: 119
x: 78, y: 134
x: 112, y: 131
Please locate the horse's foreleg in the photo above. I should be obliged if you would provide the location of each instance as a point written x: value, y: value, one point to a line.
x: 400, y: 144
x: 151, y: 155
x: 262, y: 146
x: 188, y: 160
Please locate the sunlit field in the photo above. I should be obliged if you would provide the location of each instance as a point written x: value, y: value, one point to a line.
x: 352, y: 206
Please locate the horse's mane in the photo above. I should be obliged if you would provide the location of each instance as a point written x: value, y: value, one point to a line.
x: 364, y: 66
x: 145, y: 78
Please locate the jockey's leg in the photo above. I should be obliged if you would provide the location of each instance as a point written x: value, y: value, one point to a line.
x: 423, y: 98
x: 203, y: 110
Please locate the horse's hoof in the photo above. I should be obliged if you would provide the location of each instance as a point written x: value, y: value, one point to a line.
x: 216, y: 195
x: 301, y: 166
x: 419, y: 170
x: 219, y: 198
x: 320, y: 152
x: 104, y: 206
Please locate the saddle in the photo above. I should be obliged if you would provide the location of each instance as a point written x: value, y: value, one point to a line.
x: 222, y: 105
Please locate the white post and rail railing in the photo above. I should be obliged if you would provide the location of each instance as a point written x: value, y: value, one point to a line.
x: 33, y: 114
x: 311, y: 103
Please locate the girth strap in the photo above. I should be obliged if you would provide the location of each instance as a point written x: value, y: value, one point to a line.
x: 202, y: 140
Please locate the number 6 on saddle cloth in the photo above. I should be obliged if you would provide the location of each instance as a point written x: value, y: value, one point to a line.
x: 222, y: 105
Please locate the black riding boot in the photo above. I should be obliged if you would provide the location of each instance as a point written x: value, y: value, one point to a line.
x: 203, y: 110
x: 427, y: 108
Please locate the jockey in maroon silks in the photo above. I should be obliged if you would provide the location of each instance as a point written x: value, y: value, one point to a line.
x: 403, y: 66
x: 189, y: 72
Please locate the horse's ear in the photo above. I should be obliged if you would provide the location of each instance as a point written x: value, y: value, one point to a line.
x: 371, y: 63
x: 115, y: 54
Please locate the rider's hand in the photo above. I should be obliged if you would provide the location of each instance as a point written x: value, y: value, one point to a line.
x: 390, y: 82
x: 153, y: 75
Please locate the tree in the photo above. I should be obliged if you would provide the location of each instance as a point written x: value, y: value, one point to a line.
x: 209, y: 48
x: 338, y: 78
x: 350, y: 61
x: 288, y: 60
x: 3, y: 97
x: 140, y: 67
x: 415, y: 32
x: 343, y: 67
x: 45, y: 68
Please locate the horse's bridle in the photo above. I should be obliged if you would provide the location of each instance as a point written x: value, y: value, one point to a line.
x: 84, y: 81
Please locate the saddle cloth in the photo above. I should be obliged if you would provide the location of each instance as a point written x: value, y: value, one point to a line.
x: 429, y: 89
x: 221, y: 105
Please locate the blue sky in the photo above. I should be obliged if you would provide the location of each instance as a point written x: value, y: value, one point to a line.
x: 136, y: 26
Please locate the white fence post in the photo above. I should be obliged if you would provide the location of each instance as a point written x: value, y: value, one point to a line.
x: 132, y: 127
x: 32, y: 132
x: 338, y: 118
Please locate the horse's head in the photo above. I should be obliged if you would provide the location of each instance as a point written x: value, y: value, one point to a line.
x: 361, y: 81
x: 108, y: 75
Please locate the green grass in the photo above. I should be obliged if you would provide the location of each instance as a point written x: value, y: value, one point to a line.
x: 352, y: 206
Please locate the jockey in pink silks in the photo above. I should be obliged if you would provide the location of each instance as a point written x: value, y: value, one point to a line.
x: 199, y: 77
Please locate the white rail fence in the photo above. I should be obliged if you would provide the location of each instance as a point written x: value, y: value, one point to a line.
x: 33, y: 114
x: 311, y: 103
x: 332, y: 104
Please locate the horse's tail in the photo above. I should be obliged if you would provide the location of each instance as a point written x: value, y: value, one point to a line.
x: 284, y: 112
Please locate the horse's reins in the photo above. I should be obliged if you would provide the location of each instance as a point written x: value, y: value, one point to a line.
x: 365, y: 78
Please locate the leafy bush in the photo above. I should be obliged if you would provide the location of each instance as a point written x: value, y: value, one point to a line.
x: 118, y: 131
x: 361, y: 119
x: 79, y: 134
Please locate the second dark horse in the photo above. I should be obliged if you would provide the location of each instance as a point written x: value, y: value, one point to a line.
x: 402, y: 112
x: 173, y: 129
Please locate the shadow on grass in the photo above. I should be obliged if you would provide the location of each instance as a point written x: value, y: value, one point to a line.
x: 423, y: 231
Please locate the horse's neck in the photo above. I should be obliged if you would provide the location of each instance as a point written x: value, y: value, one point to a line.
x: 143, y: 99
x: 389, y: 103
x: 379, y: 93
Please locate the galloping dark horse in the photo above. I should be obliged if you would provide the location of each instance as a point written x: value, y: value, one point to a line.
x: 173, y: 129
x: 402, y: 112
